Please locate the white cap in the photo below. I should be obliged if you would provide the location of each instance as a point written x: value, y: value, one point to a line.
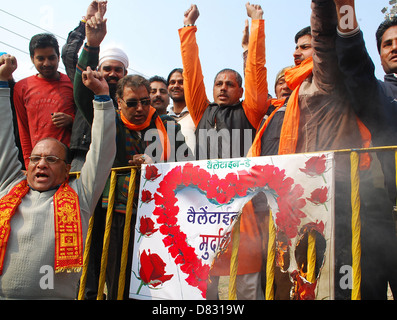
x: 114, y: 54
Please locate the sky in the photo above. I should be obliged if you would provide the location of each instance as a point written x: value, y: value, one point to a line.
x: 148, y: 31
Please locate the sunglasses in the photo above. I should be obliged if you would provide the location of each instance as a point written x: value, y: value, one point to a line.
x: 134, y: 103
x: 48, y: 159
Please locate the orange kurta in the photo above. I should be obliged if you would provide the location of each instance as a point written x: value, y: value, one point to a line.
x: 250, y: 248
x: 255, y: 107
x: 256, y: 90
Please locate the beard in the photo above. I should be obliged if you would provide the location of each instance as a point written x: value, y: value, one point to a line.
x: 112, y: 90
x: 178, y: 99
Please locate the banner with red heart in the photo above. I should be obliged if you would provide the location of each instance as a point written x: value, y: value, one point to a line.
x: 186, y: 213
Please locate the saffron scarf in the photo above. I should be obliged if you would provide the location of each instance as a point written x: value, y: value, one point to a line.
x: 255, y: 150
x: 290, y: 128
x: 67, y: 225
x: 165, y: 143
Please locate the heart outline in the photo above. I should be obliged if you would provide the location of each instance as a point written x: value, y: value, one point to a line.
x: 221, y: 191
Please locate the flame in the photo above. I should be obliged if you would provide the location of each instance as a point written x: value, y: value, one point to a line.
x: 301, y: 272
x: 281, y: 250
x: 303, y: 289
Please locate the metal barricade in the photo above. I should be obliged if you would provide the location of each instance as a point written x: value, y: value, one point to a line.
x: 270, y: 267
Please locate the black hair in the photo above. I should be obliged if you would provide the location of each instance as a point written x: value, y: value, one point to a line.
x: 180, y: 70
x: 304, y: 32
x: 43, y: 40
x: 238, y: 76
x: 157, y: 79
x: 134, y: 81
x: 383, y: 27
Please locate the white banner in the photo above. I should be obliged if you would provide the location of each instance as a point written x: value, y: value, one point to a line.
x: 187, y: 211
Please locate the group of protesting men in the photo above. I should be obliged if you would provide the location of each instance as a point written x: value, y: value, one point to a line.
x: 97, y: 117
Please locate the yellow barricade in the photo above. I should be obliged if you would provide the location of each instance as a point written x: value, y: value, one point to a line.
x: 270, y: 267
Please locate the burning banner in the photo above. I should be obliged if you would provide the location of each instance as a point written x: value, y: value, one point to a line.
x: 187, y: 211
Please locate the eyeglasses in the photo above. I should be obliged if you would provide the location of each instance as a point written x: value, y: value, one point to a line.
x: 48, y: 159
x: 134, y: 103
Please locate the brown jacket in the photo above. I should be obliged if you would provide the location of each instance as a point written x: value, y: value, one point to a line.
x: 327, y: 119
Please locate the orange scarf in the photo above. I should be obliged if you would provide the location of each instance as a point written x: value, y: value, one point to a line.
x: 67, y: 225
x: 165, y: 143
x: 290, y: 128
x: 255, y: 150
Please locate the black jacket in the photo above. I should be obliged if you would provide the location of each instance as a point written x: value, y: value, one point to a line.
x: 224, y: 132
x: 270, y: 140
x: 81, y: 130
x: 374, y: 101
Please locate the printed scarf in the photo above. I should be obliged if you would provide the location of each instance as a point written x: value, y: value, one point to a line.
x: 165, y: 143
x: 67, y: 225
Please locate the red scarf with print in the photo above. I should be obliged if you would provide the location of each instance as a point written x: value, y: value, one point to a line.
x: 67, y: 225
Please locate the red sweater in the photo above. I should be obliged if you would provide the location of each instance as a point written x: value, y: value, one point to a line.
x: 35, y: 100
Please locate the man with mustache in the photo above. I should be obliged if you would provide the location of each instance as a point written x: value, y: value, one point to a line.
x: 319, y: 116
x: 234, y: 123
x: 160, y: 99
x: 179, y: 110
x: 44, y: 217
x: 159, y: 95
x: 375, y: 103
x: 136, y: 119
x: 113, y: 64
x: 44, y: 102
x: 228, y: 117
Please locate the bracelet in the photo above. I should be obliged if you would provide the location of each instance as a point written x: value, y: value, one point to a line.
x: 102, y: 98
x: 188, y: 25
x: 4, y: 84
x: 83, y: 20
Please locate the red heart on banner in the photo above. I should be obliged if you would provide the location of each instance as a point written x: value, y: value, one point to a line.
x: 221, y: 191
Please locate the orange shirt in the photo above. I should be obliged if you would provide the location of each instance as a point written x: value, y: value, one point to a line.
x: 256, y: 92
x: 255, y: 107
x: 249, y: 250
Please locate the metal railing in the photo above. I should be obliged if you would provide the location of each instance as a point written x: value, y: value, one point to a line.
x: 269, y: 293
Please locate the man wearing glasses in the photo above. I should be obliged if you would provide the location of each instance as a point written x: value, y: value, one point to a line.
x: 142, y: 138
x: 44, y: 217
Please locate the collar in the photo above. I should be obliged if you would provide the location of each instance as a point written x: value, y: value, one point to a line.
x: 51, y: 189
x: 391, y: 77
x: 173, y: 114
